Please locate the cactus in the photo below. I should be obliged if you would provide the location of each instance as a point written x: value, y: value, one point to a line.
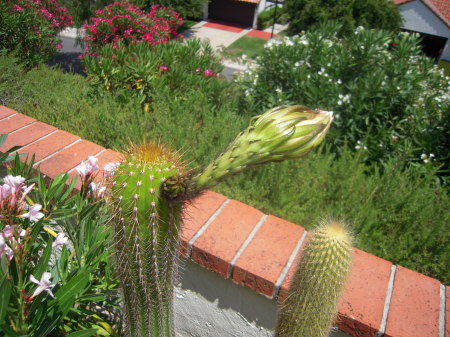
x: 147, y: 193
x: 311, y: 304
x: 146, y: 224
x: 283, y: 133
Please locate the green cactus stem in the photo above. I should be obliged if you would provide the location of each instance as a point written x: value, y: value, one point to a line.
x: 311, y: 304
x: 146, y: 226
x: 283, y: 133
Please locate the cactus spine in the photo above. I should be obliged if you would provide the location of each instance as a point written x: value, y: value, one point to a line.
x: 146, y: 223
x: 311, y: 305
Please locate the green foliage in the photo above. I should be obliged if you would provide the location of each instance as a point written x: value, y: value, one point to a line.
x: 388, y: 99
x: 306, y: 14
x: 82, y: 10
x: 266, y: 18
x: 191, y: 9
x: 30, y: 29
x: 143, y: 71
x: 79, y: 272
x: 310, y: 307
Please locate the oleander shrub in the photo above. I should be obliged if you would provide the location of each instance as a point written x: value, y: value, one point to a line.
x: 388, y: 98
x: 125, y: 22
x: 30, y: 28
x: 141, y: 71
x: 186, y: 8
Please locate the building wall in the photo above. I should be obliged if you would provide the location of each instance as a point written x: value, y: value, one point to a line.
x: 419, y: 18
x: 206, y: 304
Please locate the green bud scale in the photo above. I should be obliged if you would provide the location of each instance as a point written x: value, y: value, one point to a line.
x: 311, y: 304
x: 146, y: 226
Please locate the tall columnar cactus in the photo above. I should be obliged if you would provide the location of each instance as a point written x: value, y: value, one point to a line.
x: 311, y: 305
x: 147, y: 194
x: 146, y: 224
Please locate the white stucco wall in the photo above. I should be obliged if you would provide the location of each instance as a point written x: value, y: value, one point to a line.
x: 207, y: 305
x: 418, y: 17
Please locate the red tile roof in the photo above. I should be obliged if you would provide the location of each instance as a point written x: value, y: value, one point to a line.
x: 441, y: 8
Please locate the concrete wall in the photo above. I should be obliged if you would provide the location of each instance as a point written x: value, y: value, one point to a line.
x: 207, y: 305
x: 419, y: 18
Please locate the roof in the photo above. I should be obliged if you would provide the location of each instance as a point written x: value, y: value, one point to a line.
x: 441, y: 8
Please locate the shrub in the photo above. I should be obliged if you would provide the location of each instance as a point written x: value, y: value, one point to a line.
x: 54, y: 253
x: 143, y: 71
x: 30, y: 28
x: 305, y: 14
x: 266, y: 18
x: 388, y: 99
x: 122, y: 21
x: 187, y: 8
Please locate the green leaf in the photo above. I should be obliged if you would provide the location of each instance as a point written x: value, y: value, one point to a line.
x: 5, y: 286
x: 43, y: 261
x: 88, y: 332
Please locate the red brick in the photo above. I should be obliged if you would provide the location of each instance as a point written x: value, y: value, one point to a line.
x: 69, y: 158
x: 447, y: 311
x: 221, y: 26
x: 414, y: 308
x: 291, y: 272
x: 49, y: 145
x: 27, y: 135
x: 195, y: 215
x: 5, y: 112
x: 14, y: 123
x: 260, y: 34
x: 261, y: 263
x: 362, y: 304
x: 220, y: 242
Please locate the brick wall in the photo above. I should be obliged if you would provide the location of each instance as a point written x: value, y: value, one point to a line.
x: 260, y: 251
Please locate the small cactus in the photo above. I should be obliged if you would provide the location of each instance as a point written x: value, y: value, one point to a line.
x: 311, y: 304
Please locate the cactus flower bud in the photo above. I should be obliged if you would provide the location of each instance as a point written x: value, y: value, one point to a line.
x: 283, y: 133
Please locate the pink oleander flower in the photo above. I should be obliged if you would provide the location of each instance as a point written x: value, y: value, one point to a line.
x: 5, y: 249
x: 97, y: 190
x: 88, y: 168
x: 43, y: 285
x: 61, y: 240
x: 33, y: 213
x: 110, y: 168
x: 198, y: 70
x: 17, y: 8
x: 208, y: 73
x: 7, y: 231
x: 14, y: 182
x: 163, y: 68
x: 59, y: 45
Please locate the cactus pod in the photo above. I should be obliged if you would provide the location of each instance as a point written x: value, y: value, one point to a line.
x: 311, y: 304
x: 283, y: 133
x: 146, y: 221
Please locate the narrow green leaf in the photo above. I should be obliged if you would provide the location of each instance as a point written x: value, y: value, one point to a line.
x: 42, y: 265
x: 83, y: 333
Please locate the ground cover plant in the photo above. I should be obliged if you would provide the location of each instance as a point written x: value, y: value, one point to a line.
x: 30, y: 28
x: 389, y: 99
